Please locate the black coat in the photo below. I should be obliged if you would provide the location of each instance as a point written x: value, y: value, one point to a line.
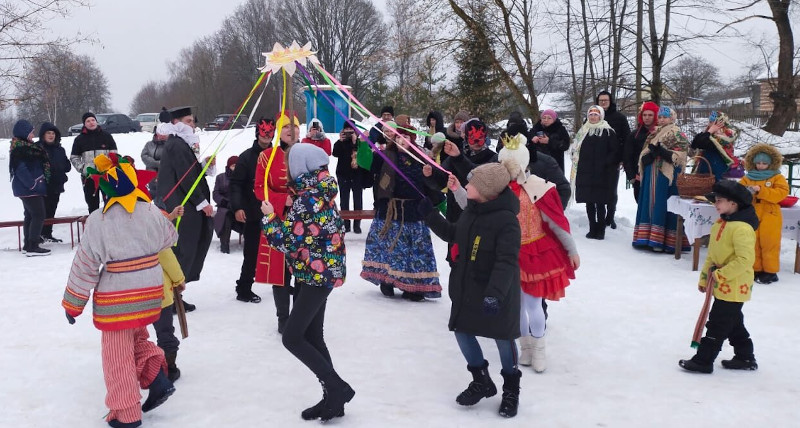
x: 597, y: 169
x: 460, y: 166
x: 439, y: 126
x: 558, y: 142
x: 242, y: 184
x: 59, y: 162
x: 619, y: 122
x: 633, y: 148
x: 343, y: 151
x: 546, y: 167
x: 487, y: 237
x: 177, y: 159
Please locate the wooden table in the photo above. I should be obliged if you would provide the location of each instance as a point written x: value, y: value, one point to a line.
x: 696, y: 219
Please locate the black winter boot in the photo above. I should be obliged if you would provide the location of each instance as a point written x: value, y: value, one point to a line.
x: 592, y: 229
x: 481, y: 386
x: 357, y: 226
x: 743, y: 358
x: 173, y: 372
x: 703, y: 361
x: 600, y: 232
x: 160, y: 389
x: 510, y: 403
x: 347, y: 225
x: 387, y: 289
x: 314, y: 411
x: 736, y: 363
x: 336, y: 392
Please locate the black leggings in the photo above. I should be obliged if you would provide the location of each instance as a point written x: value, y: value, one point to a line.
x: 303, y: 335
x: 596, y: 212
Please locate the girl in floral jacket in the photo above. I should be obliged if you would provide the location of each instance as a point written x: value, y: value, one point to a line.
x: 312, y: 238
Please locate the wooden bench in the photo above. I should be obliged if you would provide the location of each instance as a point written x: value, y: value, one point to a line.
x: 76, y: 220
x: 357, y: 214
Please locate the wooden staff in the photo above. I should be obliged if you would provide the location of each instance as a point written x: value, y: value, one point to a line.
x: 290, y: 106
x: 181, y: 314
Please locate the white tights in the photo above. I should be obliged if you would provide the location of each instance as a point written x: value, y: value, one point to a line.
x: 531, y: 316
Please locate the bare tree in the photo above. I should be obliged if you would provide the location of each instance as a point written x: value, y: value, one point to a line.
x: 691, y: 77
x: 24, y: 35
x: 59, y: 86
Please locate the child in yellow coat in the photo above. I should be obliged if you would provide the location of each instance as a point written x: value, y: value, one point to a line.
x: 729, y: 270
x: 769, y: 187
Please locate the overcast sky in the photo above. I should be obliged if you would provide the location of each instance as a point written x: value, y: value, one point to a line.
x: 137, y: 38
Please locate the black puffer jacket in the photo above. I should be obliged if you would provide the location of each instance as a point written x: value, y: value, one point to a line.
x: 59, y: 162
x: 438, y: 128
x: 487, y: 240
x: 242, y: 184
x: 558, y: 140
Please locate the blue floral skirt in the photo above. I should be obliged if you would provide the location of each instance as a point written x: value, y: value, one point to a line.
x: 402, y: 257
x: 655, y: 226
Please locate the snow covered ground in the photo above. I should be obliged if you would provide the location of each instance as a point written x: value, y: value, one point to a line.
x: 613, y: 344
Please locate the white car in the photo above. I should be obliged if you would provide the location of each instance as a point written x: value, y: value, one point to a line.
x: 149, y: 121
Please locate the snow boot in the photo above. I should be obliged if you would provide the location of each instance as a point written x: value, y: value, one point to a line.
x: 737, y: 363
x: 539, y: 359
x: 173, y: 372
x: 592, y: 229
x: 160, y: 389
x: 703, y: 361
x: 356, y: 226
x: 526, y: 350
x: 510, y: 402
x: 247, y: 296
x: 414, y: 297
x: 768, y: 278
x: 387, y: 289
x: 336, y: 392
x: 692, y: 366
x: 347, y: 225
x: 481, y: 386
x: 114, y: 423
x: 188, y: 307
x: 314, y: 411
x: 600, y: 232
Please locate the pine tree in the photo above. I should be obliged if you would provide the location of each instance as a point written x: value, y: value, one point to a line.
x: 478, y: 86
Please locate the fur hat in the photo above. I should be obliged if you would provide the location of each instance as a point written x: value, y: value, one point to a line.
x: 87, y: 115
x: 304, y: 158
x: 774, y: 161
x: 490, y: 178
x: 733, y: 191
x: 22, y: 129
x: 387, y: 109
x: 515, y: 152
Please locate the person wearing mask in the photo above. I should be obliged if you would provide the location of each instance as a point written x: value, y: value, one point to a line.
x: 549, y: 136
x: 349, y: 175
x: 29, y: 168
x: 634, y: 145
x: 91, y: 142
x: 316, y: 136
x: 619, y: 123
x: 246, y: 207
x: 50, y: 140
x: 224, y: 221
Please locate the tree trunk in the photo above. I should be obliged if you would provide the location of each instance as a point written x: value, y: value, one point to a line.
x: 783, y: 97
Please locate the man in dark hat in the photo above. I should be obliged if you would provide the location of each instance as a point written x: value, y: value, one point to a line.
x: 247, y: 208
x: 91, y: 142
x: 178, y: 171
x: 375, y: 134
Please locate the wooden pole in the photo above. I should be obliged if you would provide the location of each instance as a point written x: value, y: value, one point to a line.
x: 290, y: 106
x: 181, y: 312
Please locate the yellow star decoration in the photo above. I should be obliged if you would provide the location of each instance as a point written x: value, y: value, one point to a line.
x: 285, y: 57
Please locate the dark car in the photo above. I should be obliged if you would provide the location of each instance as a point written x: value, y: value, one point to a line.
x: 113, y: 123
x: 225, y: 121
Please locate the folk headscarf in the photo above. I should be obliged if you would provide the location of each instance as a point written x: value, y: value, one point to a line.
x: 725, y: 138
x: 671, y: 138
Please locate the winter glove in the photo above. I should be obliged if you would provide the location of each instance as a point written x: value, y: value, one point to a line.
x: 648, y: 159
x: 424, y: 207
x: 666, y: 154
x: 491, y: 306
x: 70, y: 318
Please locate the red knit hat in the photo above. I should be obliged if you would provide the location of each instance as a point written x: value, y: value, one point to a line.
x: 650, y: 106
x: 232, y: 161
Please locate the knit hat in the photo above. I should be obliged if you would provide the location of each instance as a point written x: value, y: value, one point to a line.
x: 232, y: 161
x: 665, y: 111
x: 387, y: 109
x: 647, y: 106
x: 116, y: 177
x: 731, y: 190
x: 597, y: 109
x: 164, y: 116
x: 550, y: 112
x: 475, y: 133
x: 490, y: 179
x: 87, y: 115
x: 515, y: 152
x: 762, y: 158
x: 462, y: 116
x: 304, y: 158
x: 22, y: 129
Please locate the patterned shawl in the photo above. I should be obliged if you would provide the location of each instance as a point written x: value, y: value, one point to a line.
x: 671, y: 138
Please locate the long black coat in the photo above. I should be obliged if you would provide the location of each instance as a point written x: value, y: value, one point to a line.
x: 622, y: 128
x: 242, y: 184
x: 487, y: 239
x: 558, y: 140
x: 596, y: 180
x: 178, y: 158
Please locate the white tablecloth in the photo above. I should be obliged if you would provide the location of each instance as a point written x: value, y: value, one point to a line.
x: 698, y: 217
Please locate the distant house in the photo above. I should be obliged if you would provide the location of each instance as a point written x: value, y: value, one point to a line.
x: 766, y: 83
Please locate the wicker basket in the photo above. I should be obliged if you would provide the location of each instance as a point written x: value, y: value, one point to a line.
x: 695, y: 184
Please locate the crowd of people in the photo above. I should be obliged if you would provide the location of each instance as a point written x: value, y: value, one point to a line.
x: 509, y: 243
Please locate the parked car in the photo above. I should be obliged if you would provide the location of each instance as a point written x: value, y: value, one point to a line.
x: 225, y: 121
x: 113, y: 123
x: 149, y: 121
